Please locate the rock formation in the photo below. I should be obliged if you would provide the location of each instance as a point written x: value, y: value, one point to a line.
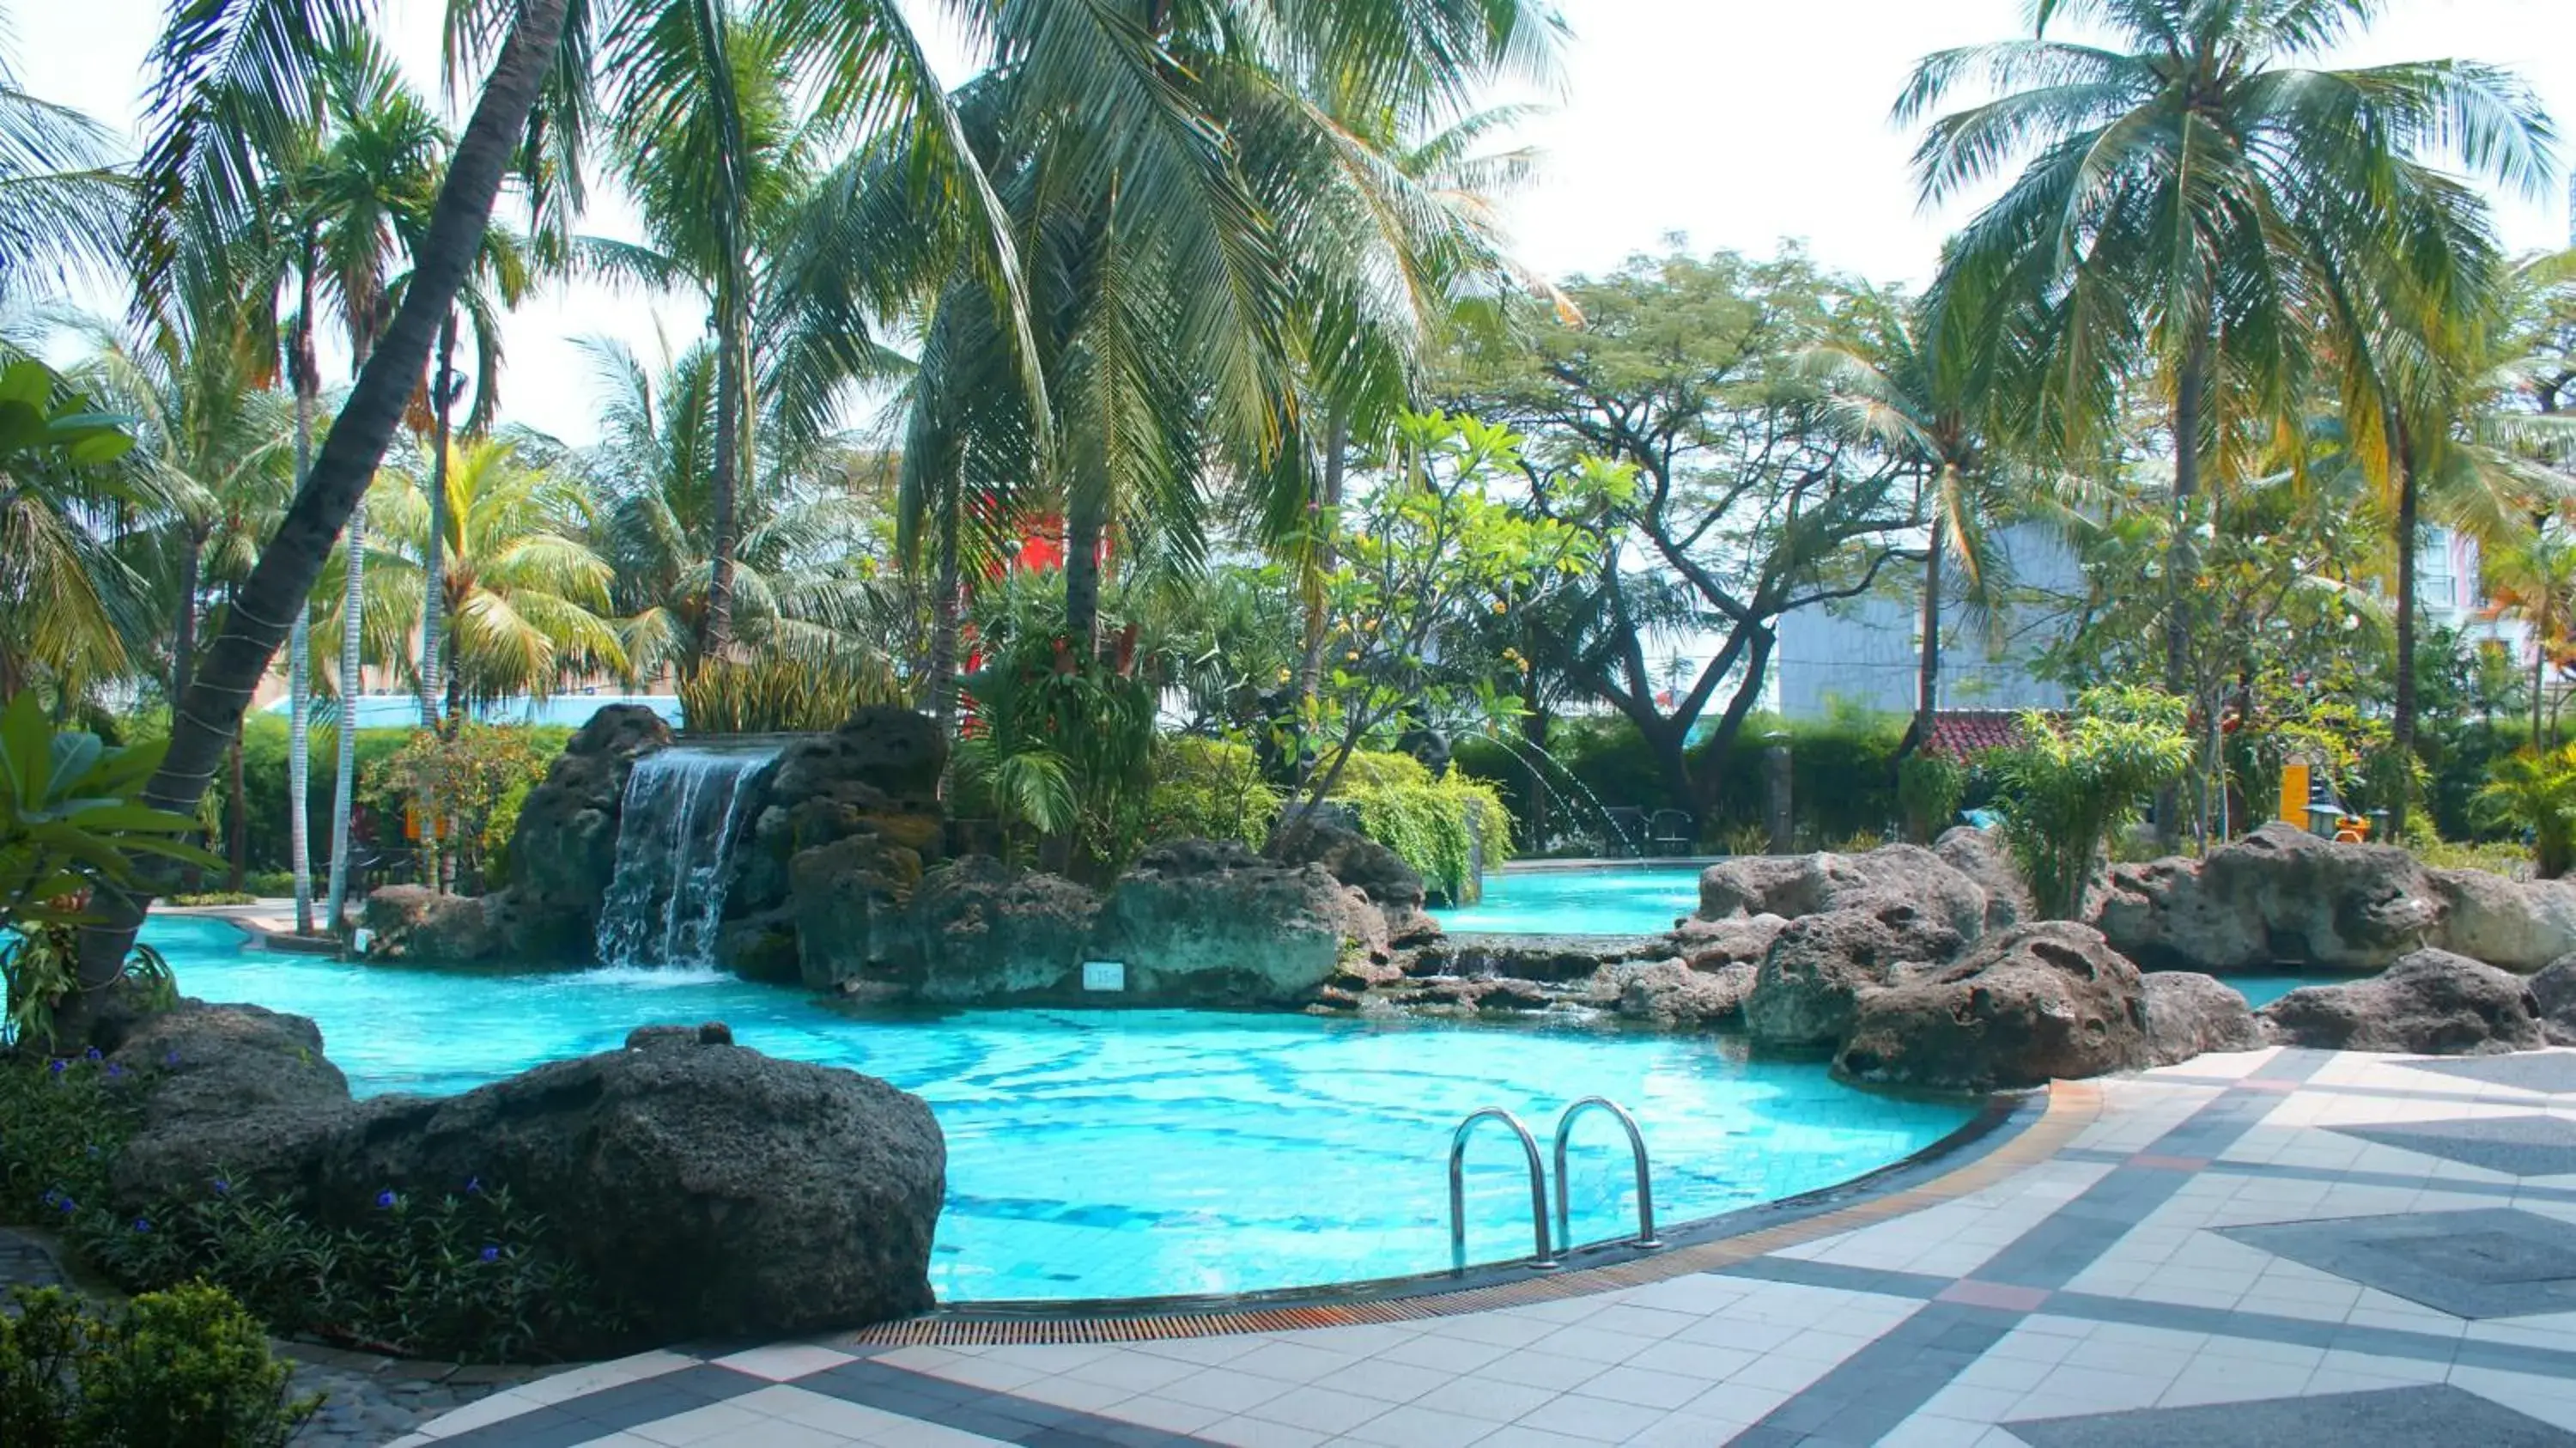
x: 707, y: 1190
x: 2432, y: 1003
x: 2190, y: 1015
x: 2034, y: 1003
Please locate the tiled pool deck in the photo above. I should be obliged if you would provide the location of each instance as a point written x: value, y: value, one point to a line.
x: 2279, y: 1247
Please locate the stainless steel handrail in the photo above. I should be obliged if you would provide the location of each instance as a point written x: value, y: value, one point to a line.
x: 1637, y: 1149
x: 1458, y: 1188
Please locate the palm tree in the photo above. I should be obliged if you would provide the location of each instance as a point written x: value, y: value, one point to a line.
x: 1213, y: 236
x: 1909, y: 388
x: 63, y: 204
x: 528, y: 597
x: 797, y: 589
x: 233, y: 77
x: 2180, y: 199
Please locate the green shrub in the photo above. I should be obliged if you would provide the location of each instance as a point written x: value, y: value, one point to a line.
x: 1930, y: 787
x: 215, y: 897
x: 784, y: 694
x: 2066, y: 791
x: 1209, y: 789
x: 186, y: 1368
x: 271, y: 884
x: 1435, y: 826
x: 463, y: 1274
x: 2535, y: 792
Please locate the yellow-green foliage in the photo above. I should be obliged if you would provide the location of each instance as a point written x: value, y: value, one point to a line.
x: 781, y: 694
x: 1432, y: 825
x: 1209, y: 789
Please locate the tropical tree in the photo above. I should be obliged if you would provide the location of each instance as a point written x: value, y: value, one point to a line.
x: 1908, y: 386
x: 68, y: 603
x: 63, y: 203
x: 2184, y: 207
x: 527, y: 597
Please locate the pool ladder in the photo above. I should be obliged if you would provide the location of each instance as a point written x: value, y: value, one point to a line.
x: 1545, y: 1258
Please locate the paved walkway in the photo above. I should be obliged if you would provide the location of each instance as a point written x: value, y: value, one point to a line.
x: 2269, y: 1248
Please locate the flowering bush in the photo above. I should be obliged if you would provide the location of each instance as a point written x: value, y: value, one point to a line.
x: 464, y: 1273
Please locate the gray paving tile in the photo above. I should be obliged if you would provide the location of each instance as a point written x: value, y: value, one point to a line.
x: 2387, y: 1418
x: 2523, y: 1145
x: 2551, y: 1071
x: 2486, y: 1262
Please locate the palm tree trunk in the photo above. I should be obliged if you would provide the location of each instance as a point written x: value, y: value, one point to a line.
x: 2401, y: 728
x: 237, y: 857
x: 1085, y: 521
x: 2539, y: 661
x: 353, y: 628
x: 731, y: 460
x: 183, y: 643
x: 1310, y: 665
x: 1927, y: 677
x: 2181, y: 562
x: 299, y: 658
x: 945, y: 610
x: 211, y: 714
x: 433, y: 592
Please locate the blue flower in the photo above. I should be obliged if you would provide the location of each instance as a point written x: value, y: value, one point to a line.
x: 223, y: 1188
x: 384, y: 1199
x: 56, y: 1068
x: 142, y: 1224
x: 66, y: 1204
x: 52, y: 1195
x: 491, y: 1254
x: 474, y: 1186
x: 90, y: 1055
x: 169, y: 1058
x: 114, y: 1069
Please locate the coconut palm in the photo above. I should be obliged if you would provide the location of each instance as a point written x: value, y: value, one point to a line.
x: 233, y: 79
x: 799, y: 589
x: 2177, y: 200
x: 527, y: 596
x: 1911, y: 387
x: 63, y: 205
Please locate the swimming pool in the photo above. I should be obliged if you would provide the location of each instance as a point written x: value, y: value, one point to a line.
x: 1617, y: 900
x: 1147, y: 1153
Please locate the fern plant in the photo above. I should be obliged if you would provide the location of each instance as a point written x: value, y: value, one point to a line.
x: 2536, y: 790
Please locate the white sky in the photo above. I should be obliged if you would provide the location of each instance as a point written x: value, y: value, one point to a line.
x: 1734, y: 122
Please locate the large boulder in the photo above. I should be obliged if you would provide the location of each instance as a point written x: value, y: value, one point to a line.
x: 563, y: 851
x: 233, y: 1093
x: 2039, y: 1002
x: 706, y: 1190
x: 2516, y: 924
x: 710, y: 1190
x: 414, y: 922
x: 1378, y: 872
x: 2431, y: 1003
x: 2553, y: 991
x: 2190, y: 1015
x: 877, y: 775
x: 851, y: 907
x: 985, y: 932
x: 2278, y: 896
x: 1711, y: 944
x: 1795, y: 885
x: 1671, y: 994
x: 1210, y: 922
x: 1812, y: 977
x: 1980, y: 855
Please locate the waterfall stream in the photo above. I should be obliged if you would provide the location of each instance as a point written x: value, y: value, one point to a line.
x: 677, y: 825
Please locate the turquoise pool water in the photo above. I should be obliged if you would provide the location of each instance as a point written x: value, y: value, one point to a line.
x: 1628, y: 900
x: 1144, y: 1153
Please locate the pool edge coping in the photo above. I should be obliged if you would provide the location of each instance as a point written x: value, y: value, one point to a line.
x: 2068, y: 1107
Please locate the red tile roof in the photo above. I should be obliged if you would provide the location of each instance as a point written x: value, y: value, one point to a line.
x: 1966, y: 733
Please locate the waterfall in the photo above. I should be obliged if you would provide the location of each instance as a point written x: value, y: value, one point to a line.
x: 682, y: 812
